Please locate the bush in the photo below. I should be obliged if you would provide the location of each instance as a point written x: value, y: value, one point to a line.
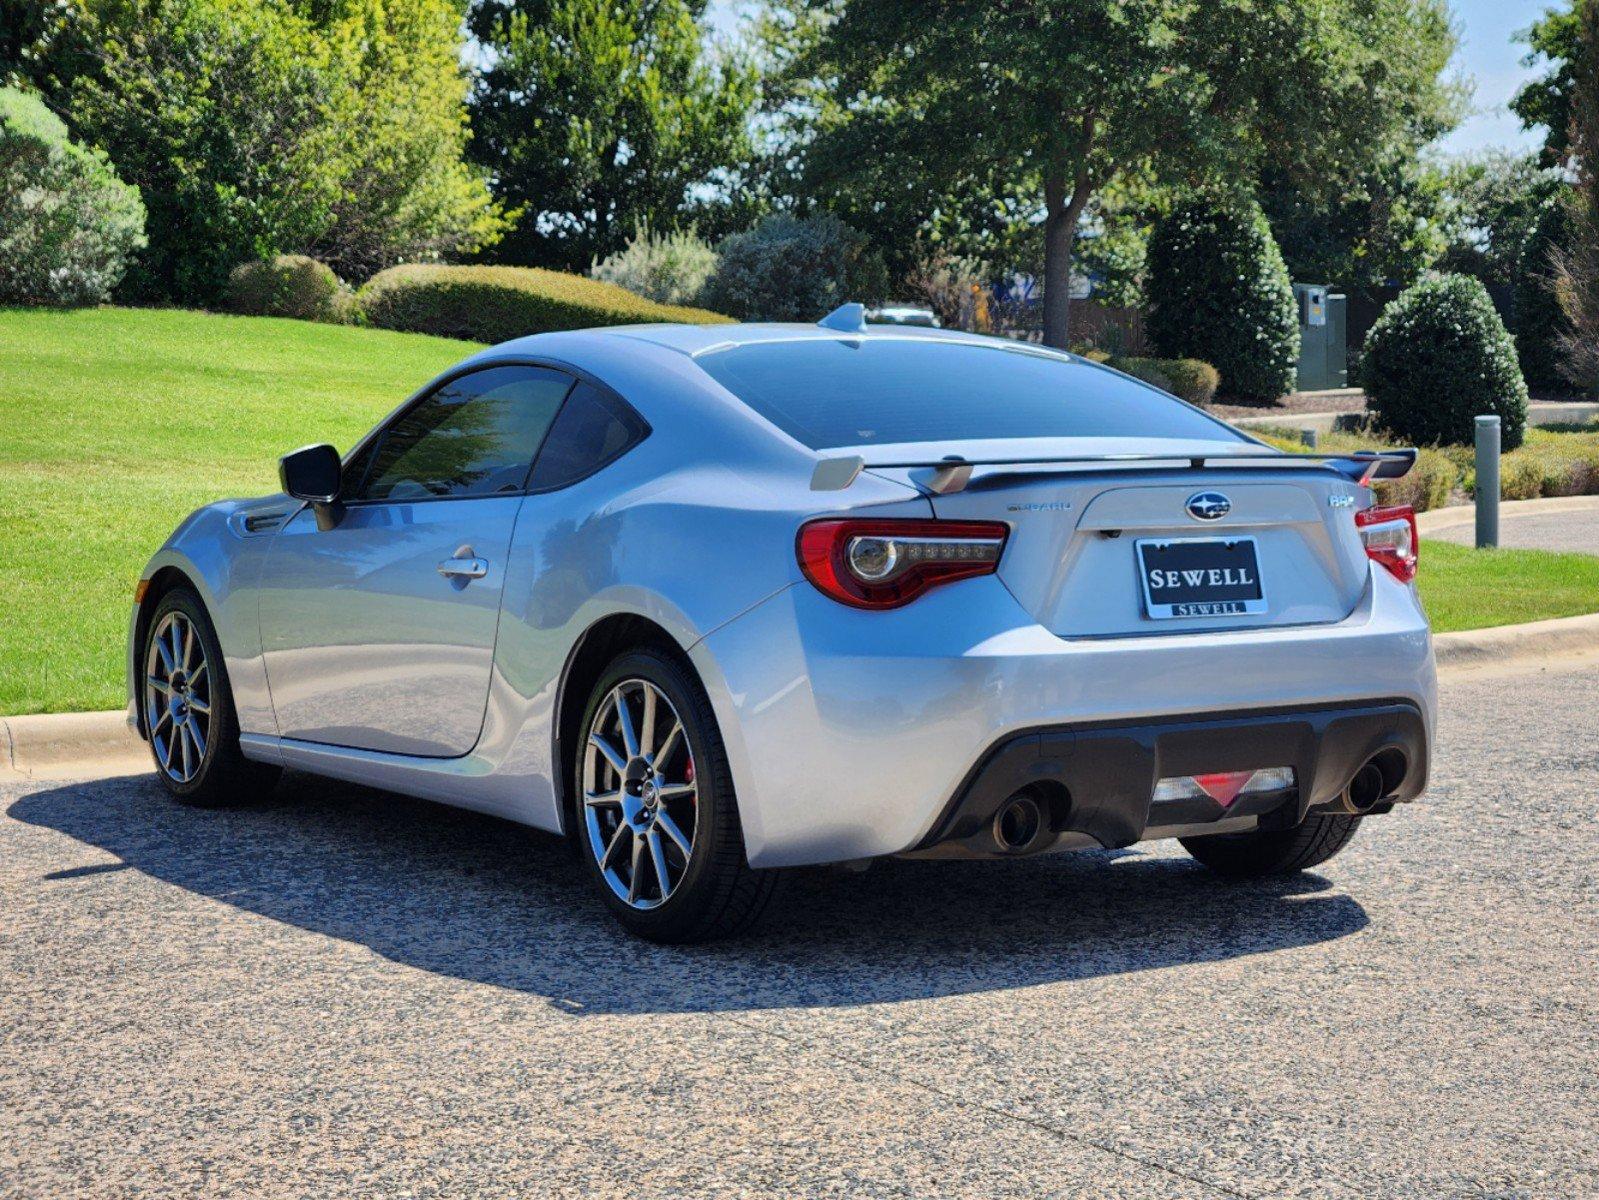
x: 1186, y: 378
x: 670, y: 268
x: 1429, y: 484
x: 1218, y: 291
x: 68, y: 225
x: 1438, y: 357
x: 786, y: 269
x: 289, y: 285
x: 495, y: 304
x: 1539, y: 321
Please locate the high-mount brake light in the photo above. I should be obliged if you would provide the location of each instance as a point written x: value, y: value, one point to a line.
x: 1389, y: 535
x: 884, y: 563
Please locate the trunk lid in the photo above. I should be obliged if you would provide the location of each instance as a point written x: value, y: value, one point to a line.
x: 1073, y: 558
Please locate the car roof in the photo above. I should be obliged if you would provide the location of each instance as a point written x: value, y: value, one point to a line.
x: 692, y: 340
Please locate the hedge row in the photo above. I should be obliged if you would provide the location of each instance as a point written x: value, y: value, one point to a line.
x: 495, y: 304
x: 481, y: 304
x: 1186, y: 378
x: 1547, y: 464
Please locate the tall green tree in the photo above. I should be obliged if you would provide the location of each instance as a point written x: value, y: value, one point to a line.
x: 1037, y: 106
x: 335, y: 128
x: 1553, y: 45
x: 1493, y: 202
x: 1576, y: 280
x: 597, y: 117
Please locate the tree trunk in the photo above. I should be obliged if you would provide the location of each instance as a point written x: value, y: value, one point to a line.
x: 1060, y: 236
x: 1060, y: 233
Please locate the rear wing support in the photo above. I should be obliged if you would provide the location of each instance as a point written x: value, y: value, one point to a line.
x: 952, y: 473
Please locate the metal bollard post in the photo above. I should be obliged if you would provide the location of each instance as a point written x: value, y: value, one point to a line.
x: 1487, y: 482
x: 1308, y: 436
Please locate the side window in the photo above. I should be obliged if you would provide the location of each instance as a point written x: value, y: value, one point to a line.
x: 474, y: 436
x: 592, y: 430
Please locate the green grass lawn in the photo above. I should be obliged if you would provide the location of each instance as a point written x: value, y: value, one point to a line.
x: 116, y: 423
x: 1463, y: 588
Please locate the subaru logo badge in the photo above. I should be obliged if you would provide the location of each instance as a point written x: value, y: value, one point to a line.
x: 1209, y: 506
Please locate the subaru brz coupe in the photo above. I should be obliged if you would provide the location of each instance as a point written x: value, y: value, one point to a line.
x: 714, y: 601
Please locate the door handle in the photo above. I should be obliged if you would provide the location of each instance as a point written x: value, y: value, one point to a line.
x: 464, y: 568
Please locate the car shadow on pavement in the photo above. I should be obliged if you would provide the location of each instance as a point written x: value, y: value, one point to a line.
x: 488, y: 901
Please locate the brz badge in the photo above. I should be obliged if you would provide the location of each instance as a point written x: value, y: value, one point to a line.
x: 1340, y: 500
x: 1209, y: 506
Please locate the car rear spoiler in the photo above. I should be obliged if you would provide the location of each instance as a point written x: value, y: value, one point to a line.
x: 951, y: 473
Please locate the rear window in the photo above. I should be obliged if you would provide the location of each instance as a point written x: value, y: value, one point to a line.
x: 827, y: 392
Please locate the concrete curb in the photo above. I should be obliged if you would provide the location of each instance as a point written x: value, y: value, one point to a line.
x: 1562, y: 636
x: 49, y: 743
x: 63, y: 744
x: 1436, y: 519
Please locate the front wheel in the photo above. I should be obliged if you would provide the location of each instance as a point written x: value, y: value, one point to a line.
x: 655, y: 812
x: 1277, y: 851
x: 187, y: 709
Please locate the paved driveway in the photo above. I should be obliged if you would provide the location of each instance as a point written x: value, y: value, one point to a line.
x: 1573, y: 530
x: 342, y: 993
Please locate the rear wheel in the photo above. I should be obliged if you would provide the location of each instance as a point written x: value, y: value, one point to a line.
x: 656, y: 817
x: 187, y: 709
x: 1277, y: 851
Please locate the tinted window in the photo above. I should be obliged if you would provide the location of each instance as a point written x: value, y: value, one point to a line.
x: 474, y: 436
x: 592, y: 430
x: 826, y: 392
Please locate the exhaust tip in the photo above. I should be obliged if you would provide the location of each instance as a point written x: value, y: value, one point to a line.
x: 1018, y: 823
x: 1363, y: 792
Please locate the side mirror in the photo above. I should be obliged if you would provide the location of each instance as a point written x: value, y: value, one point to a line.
x: 314, y: 474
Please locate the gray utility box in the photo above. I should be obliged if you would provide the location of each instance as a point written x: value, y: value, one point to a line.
x: 1323, y: 357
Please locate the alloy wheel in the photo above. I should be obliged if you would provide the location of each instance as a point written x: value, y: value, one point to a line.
x: 177, y: 697
x: 640, y: 799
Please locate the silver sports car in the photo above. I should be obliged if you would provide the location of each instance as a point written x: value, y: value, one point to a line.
x: 714, y: 601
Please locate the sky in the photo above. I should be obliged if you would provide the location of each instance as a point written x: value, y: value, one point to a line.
x: 1486, y: 54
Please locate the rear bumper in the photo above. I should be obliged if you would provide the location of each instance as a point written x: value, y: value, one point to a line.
x: 1097, y: 780
x: 851, y: 733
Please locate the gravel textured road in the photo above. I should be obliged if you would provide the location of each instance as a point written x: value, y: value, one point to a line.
x: 343, y: 993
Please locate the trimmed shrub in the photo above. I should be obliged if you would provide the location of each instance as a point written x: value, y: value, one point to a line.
x: 1429, y: 484
x: 669, y: 268
x: 1438, y: 357
x: 495, y: 304
x: 787, y: 269
x: 1539, y: 320
x: 289, y: 285
x: 1218, y: 291
x: 68, y: 225
x: 1186, y: 378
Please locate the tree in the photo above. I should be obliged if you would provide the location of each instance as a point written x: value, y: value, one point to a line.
x: 596, y: 117
x: 407, y: 192
x: 1540, y: 324
x: 1382, y: 226
x: 216, y: 111
x: 1492, y: 203
x: 1577, y: 265
x: 1546, y: 100
x: 1035, y: 107
x: 1219, y: 292
x: 334, y: 128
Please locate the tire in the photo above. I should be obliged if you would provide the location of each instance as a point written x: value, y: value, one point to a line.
x: 656, y: 790
x: 194, y: 742
x: 1275, y: 852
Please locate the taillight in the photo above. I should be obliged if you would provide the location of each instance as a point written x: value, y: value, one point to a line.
x: 1390, y: 538
x: 886, y: 563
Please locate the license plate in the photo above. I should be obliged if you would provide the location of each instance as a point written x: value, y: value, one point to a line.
x: 1200, y: 577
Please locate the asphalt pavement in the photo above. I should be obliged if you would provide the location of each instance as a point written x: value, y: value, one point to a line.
x: 345, y: 993
x: 1574, y: 530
